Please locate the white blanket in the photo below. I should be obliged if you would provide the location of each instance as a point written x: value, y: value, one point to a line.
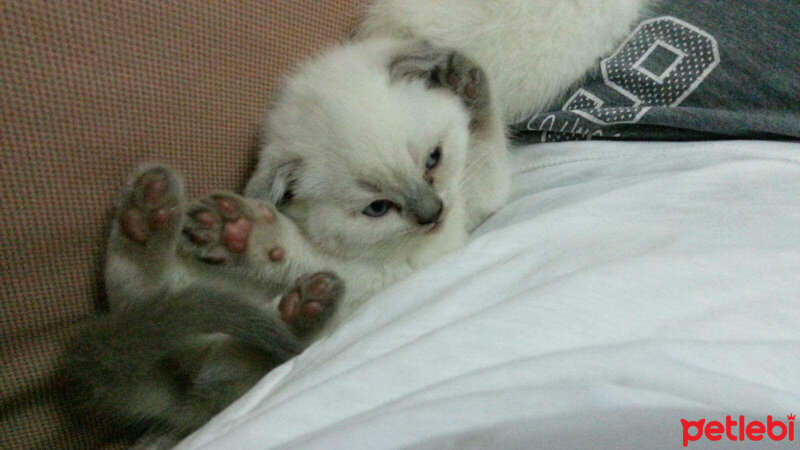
x: 627, y: 286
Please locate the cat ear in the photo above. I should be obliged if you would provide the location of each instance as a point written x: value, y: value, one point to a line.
x: 273, y: 179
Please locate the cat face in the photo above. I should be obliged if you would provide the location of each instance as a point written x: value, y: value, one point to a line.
x: 364, y: 165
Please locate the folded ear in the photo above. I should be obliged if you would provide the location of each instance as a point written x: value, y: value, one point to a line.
x: 273, y: 178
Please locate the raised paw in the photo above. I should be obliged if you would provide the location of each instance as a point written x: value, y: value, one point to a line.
x: 151, y: 206
x: 311, y: 302
x: 460, y: 75
x: 443, y: 67
x: 219, y: 228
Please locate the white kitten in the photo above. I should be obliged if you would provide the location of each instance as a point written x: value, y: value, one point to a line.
x: 386, y: 168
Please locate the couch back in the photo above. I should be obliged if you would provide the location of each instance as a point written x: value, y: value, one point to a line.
x: 89, y: 90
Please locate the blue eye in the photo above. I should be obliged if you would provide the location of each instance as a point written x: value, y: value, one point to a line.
x: 377, y: 208
x: 433, y: 158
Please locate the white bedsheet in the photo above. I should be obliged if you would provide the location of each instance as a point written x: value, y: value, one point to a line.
x: 626, y: 286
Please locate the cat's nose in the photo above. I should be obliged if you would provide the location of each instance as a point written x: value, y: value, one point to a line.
x: 431, y: 214
x: 423, y: 204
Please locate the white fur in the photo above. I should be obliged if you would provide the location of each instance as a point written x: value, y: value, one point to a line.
x: 532, y: 50
x: 346, y: 123
x: 341, y: 123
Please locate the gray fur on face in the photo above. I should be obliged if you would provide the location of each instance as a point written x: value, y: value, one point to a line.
x: 424, y: 206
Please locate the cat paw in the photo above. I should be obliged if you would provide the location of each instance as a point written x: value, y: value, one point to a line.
x: 311, y: 302
x: 462, y: 76
x: 151, y: 206
x: 219, y: 229
x: 443, y: 67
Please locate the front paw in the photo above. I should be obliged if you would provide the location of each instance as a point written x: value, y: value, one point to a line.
x: 312, y: 301
x: 227, y: 229
x: 444, y: 67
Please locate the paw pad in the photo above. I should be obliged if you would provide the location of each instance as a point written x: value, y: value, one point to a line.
x: 219, y: 228
x: 313, y: 300
x: 151, y: 205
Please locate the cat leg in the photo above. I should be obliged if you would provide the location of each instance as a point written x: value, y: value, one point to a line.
x: 140, y: 258
x: 449, y: 69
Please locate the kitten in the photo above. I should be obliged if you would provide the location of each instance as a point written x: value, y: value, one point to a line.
x: 380, y: 155
x: 386, y: 165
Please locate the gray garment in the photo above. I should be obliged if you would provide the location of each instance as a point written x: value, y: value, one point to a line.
x: 692, y: 69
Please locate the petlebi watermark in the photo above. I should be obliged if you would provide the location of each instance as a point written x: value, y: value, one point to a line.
x: 739, y: 430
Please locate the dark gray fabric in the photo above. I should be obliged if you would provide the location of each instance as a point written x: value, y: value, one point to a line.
x: 691, y: 69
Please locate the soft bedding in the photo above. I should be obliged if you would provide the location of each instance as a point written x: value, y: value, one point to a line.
x: 626, y: 286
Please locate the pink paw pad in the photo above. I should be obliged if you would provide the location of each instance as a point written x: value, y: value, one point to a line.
x: 277, y: 254
x: 235, y: 235
x: 228, y: 209
x: 313, y: 300
x: 154, y: 191
x: 219, y: 227
x: 151, y: 205
x: 133, y: 225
